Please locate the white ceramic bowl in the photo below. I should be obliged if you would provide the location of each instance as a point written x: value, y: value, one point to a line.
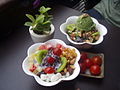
x: 42, y: 38
x: 72, y: 20
x: 33, y: 48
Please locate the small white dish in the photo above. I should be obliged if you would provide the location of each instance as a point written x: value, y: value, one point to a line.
x: 33, y: 48
x: 72, y: 20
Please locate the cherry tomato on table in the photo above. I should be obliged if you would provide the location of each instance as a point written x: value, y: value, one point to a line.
x: 88, y: 62
x: 83, y: 67
x: 95, y: 70
x: 84, y: 56
x: 96, y: 60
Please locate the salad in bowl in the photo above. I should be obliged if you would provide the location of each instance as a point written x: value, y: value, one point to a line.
x: 51, y: 62
x: 83, y: 30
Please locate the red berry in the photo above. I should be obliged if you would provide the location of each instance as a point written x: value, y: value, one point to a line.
x: 50, y: 60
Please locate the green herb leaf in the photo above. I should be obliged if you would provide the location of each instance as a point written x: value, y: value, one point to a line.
x: 41, y: 9
x: 30, y: 17
x: 28, y: 24
x: 36, y: 15
x: 44, y: 10
x: 47, y: 9
x: 47, y: 22
x: 40, y: 19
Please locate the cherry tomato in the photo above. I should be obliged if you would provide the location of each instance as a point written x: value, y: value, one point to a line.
x: 43, y: 47
x: 49, y: 70
x: 83, y: 56
x: 50, y: 60
x: 58, y: 46
x: 83, y: 67
x: 95, y: 70
x: 88, y: 62
x: 57, y: 51
x: 33, y: 68
x: 96, y: 60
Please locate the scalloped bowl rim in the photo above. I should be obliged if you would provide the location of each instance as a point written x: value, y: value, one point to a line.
x: 101, y: 28
x: 32, y: 48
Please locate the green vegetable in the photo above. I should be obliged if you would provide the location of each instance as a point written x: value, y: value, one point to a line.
x: 40, y: 55
x: 85, y: 23
x: 71, y: 27
x: 96, y: 33
x: 63, y: 65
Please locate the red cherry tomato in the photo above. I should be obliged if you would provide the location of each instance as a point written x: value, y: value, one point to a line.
x: 96, y: 60
x: 83, y: 56
x: 95, y: 70
x: 57, y: 51
x: 88, y: 62
x: 58, y: 46
x: 49, y: 70
x: 83, y: 67
x: 50, y: 60
x: 33, y: 68
x: 43, y: 47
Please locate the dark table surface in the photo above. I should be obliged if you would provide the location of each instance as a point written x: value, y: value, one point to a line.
x: 13, y: 50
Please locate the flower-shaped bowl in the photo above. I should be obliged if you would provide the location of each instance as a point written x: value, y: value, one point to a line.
x: 33, y: 48
x: 84, y: 45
